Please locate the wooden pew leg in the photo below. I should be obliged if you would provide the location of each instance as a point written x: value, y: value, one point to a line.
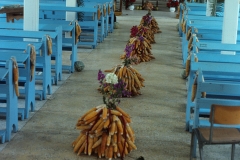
x: 12, y: 105
x: 2, y: 135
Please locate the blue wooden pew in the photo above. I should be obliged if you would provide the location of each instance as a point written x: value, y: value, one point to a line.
x: 25, y: 76
x: 103, y: 22
x: 212, y: 31
x: 58, y: 12
x: 7, y: 90
x: 88, y: 25
x: 43, y: 61
x: 106, y: 4
x: 196, y: 9
x: 186, y: 10
x: 210, y: 60
x: 219, y: 88
x: 87, y: 28
x: 57, y: 44
x: 105, y: 27
x: 190, y: 20
x: 109, y: 4
x: 209, y: 67
x: 68, y: 43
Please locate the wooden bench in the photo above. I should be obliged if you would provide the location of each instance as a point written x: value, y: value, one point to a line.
x: 56, y: 39
x: 7, y: 90
x: 26, y: 76
x: 218, y: 88
x: 195, y: 9
x: 68, y: 43
x: 109, y: 17
x: 87, y: 25
x: 210, y: 31
x: 211, y: 60
x: 43, y: 61
x: 58, y: 12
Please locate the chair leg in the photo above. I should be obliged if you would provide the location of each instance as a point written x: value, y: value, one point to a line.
x: 200, y: 146
x: 193, y: 145
x: 233, y: 152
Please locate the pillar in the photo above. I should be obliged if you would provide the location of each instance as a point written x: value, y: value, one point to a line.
x: 31, y: 15
x: 230, y: 23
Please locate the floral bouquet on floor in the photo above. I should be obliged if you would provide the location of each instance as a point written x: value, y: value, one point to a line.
x: 105, y: 129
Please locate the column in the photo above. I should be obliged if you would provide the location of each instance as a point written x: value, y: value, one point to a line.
x: 230, y: 23
x: 31, y: 15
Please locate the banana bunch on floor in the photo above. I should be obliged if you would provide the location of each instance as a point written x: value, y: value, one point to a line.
x: 131, y: 77
x: 142, y: 49
x: 105, y: 132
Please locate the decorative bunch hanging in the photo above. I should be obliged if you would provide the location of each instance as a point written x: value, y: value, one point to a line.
x: 105, y: 129
x: 130, y: 76
x: 15, y: 76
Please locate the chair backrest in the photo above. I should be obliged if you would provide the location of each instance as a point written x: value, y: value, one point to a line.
x: 222, y: 114
x: 223, y: 92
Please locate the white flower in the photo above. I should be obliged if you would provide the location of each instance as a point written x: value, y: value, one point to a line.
x: 111, y: 78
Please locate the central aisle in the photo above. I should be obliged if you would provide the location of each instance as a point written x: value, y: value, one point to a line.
x: 158, y: 114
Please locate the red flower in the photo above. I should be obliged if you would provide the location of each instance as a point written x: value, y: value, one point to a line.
x: 134, y: 31
x: 172, y: 3
x: 132, y: 1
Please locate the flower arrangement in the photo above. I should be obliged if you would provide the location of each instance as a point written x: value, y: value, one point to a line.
x: 172, y: 3
x: 125, y: 72
x: 112, y: 89
x: 144, y: 31
x: 129, y: 60
x: 137, y: 31
x: 150, y: 22
x: 105, y: 129
x: 147, y: 19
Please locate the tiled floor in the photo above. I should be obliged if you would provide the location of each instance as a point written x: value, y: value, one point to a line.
x: 158, y: 115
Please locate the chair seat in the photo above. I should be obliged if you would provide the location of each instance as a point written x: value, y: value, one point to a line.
x: 220, y: 135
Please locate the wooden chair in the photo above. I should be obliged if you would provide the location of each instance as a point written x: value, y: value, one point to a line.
x: 224, y: 123
x: 220, y: 114
x: 210, y: 61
